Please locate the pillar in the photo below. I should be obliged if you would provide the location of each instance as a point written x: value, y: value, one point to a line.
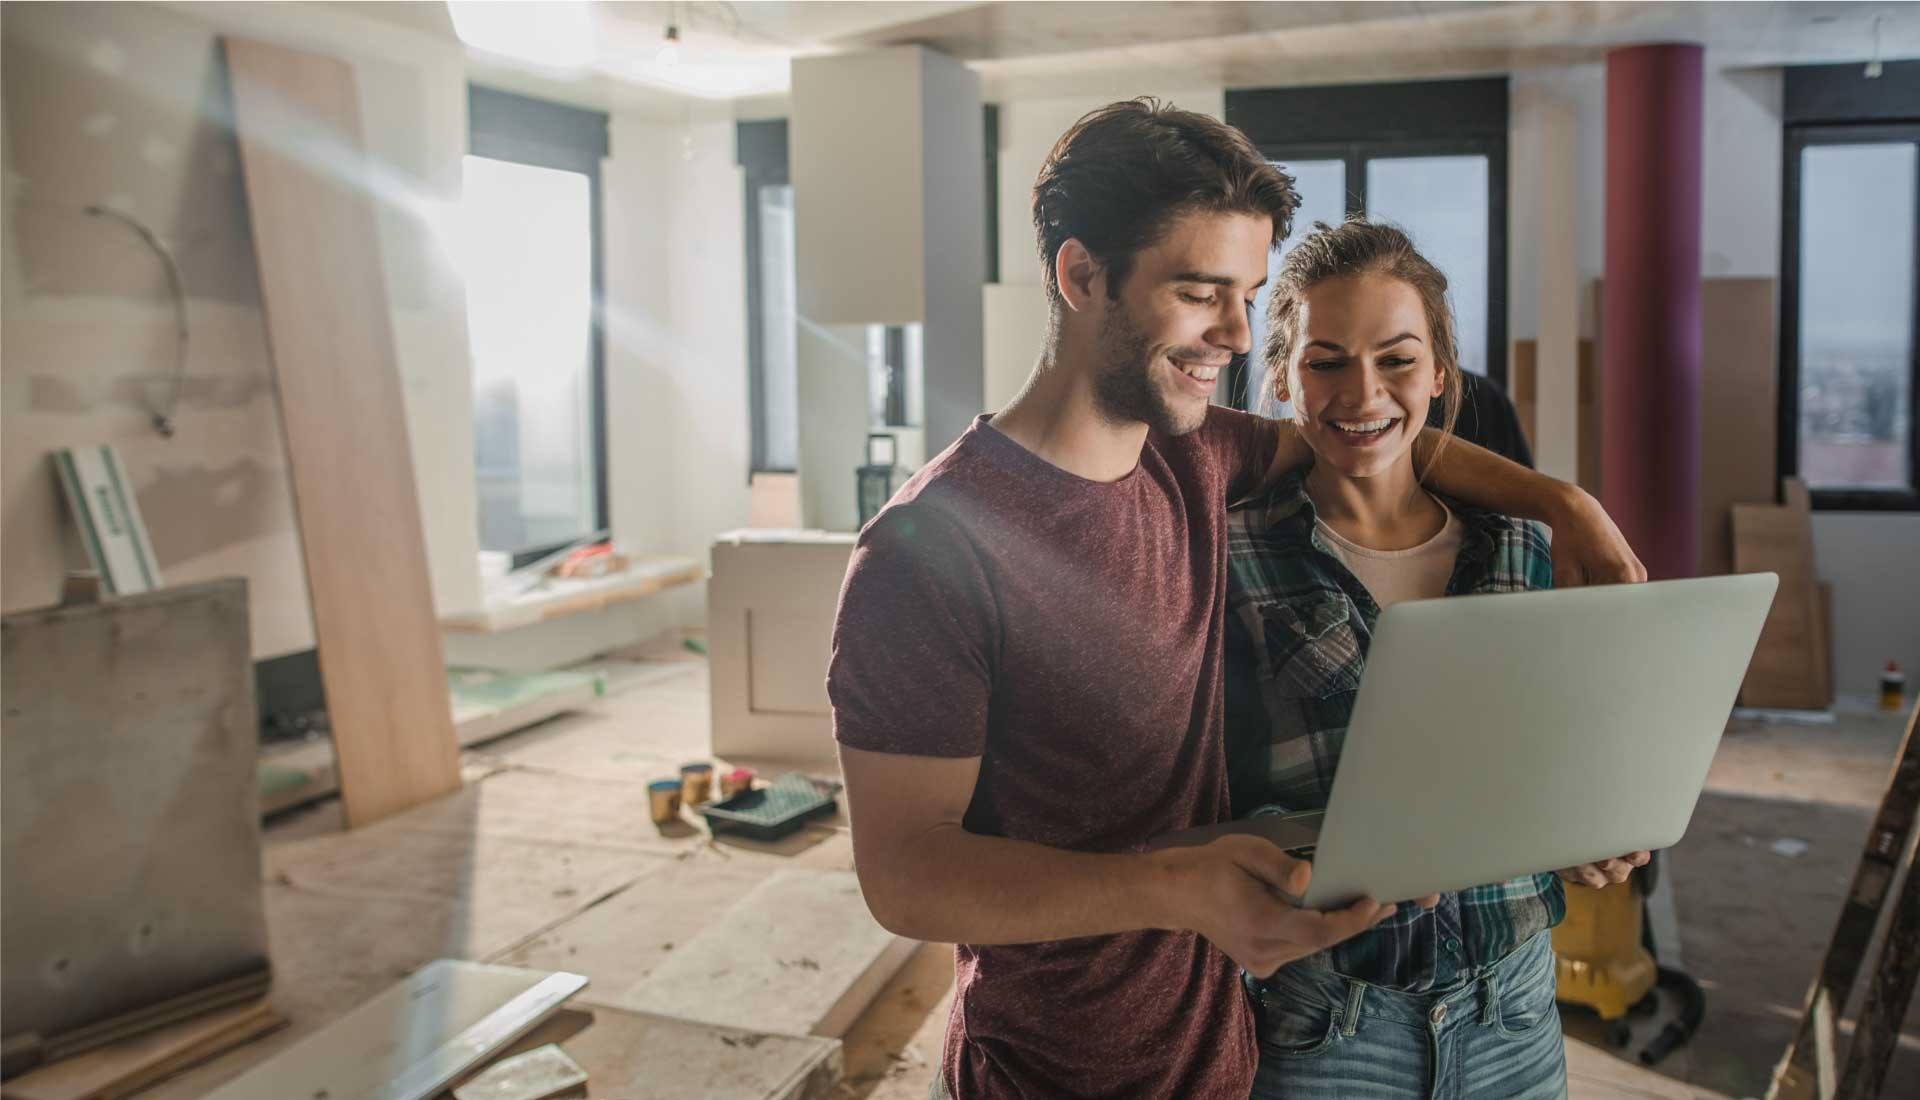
x: 1650, y: 307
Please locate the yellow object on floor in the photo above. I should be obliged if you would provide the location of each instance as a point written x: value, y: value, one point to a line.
x: 1599, y: 958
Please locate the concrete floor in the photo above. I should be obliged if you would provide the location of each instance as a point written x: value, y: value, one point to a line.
x: 539, y: 862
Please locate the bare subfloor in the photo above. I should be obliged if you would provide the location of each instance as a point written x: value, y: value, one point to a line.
x: 547, y: 859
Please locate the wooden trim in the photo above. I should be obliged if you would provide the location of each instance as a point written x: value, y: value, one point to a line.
x: 329, y: 325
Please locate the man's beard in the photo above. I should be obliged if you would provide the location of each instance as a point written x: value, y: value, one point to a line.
x: 1123, y: 389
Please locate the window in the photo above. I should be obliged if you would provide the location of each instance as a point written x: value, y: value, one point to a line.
x: 1849, y: 295
x: 1430, y: 157
x: 530, y: 212
x: 773, y: 368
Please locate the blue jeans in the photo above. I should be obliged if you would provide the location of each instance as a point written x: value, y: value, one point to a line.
x: 1494, y: 1037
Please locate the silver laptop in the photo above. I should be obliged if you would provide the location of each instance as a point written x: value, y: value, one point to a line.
x: 1502, y: 735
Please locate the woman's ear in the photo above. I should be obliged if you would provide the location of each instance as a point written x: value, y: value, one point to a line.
x: 1439, y: 379
x: 1280, y: 391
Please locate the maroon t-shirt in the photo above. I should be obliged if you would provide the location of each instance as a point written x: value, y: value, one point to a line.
x: 1068, y: 633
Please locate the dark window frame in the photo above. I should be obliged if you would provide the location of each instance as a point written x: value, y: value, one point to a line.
x: 505, y: 126
x: 1359, y: 123
x: 1837, y: 105
x: 760, y: 147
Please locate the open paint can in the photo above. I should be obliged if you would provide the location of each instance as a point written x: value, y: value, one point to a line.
x: 696, y: 783
x: 664, y: 797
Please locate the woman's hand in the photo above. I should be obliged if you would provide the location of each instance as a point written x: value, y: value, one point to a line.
x: 1607, y: 872
x: 1587, y: 548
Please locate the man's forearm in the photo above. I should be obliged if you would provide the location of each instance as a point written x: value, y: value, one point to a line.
x: 952, y: 886
x: 1478, y: 476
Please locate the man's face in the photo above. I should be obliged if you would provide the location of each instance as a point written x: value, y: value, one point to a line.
x: 1181, y: 316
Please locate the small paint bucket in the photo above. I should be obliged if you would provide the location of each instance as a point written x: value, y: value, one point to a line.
x: 664, y: 796
x: 696, y: 784
x: 737, y: 781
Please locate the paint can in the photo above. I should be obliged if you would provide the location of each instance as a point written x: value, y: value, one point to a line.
x: 1893, y: 687
x: 696, y: 784
x: 664, y: 797
x: 737, y: 781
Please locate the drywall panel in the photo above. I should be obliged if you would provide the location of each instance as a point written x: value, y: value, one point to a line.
x: 955, y: 250
x: 132, y: 854
x: 89, y: 333
x: 1557, y: 286
x: 833, y: 423
x: 859, y: 192
x: 316, y: 243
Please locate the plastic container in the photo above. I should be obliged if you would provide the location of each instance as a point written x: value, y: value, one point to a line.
x: 773, y: 811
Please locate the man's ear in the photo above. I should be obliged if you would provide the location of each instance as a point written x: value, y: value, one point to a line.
x: 1077, y: 273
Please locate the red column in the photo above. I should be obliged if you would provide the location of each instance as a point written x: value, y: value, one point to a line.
x: 1650, y: 306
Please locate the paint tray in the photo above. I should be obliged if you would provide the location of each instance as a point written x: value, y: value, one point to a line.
x: 773, y: 811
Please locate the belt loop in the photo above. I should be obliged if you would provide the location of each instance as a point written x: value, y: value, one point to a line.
x: 1489, y: 998
x: 1350, y: 1019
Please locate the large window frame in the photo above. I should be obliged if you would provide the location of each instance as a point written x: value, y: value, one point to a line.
x: 536, y: 132
x: 1829, y: 105
x: 1357, y: 123
x: 760, y: 148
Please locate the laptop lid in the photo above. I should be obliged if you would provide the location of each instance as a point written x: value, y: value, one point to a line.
x: 1501, y: 735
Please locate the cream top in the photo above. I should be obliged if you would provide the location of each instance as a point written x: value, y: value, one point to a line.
x: 1391, y: 576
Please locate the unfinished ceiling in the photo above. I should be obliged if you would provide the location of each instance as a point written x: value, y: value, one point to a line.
x: 739, y: 50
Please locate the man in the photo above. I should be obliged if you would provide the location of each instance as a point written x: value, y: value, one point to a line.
x: 1026, y: 677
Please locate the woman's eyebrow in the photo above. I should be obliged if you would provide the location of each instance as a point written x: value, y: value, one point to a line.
x: 1385, y: 344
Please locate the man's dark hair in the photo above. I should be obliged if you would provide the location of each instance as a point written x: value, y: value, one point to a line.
x: 1120, y: 177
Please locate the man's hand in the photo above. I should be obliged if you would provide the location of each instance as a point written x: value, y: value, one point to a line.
x: 1229, y: 891
x: 1587, y: 547
x: 1607, y: 872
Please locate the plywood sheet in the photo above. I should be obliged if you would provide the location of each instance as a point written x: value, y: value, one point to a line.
x: 1740, y: 390
x: 343, y: 416
x: 798, y: 955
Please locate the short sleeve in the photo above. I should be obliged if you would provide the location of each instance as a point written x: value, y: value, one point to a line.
x: 913, y: 639
x: 1243, y: 445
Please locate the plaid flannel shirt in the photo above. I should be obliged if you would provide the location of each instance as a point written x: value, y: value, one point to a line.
x: 1298, y: 627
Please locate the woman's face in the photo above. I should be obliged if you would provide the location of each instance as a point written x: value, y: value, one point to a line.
x: 1362, y: 373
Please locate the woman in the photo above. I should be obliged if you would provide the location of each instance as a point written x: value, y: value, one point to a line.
x: 1455, y: 996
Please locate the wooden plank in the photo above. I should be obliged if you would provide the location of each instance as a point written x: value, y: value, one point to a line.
x: 124, y: 1068
x: 131, y: 855
x: 343, y: 416
x: 1740, y: 383
x: 1801, y: 1072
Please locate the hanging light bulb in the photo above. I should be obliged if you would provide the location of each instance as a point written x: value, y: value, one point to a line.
x: 1873, y: 64
x: 669, y: 51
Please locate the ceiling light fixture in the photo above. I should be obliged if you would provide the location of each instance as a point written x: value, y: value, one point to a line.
x: 1873, y: 65
x: 669, y: 51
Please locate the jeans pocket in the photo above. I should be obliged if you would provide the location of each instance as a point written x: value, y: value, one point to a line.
x: 1296, y: 1022
x: 1526, y: 989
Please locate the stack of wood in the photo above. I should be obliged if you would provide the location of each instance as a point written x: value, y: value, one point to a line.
x: 1793, y: 664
